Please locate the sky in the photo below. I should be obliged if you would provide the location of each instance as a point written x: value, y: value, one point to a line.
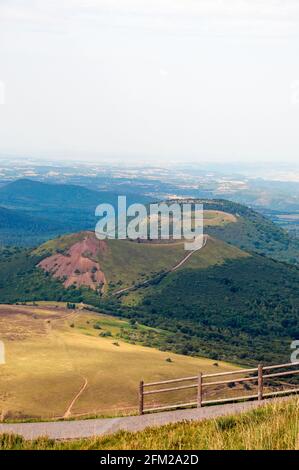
x: 150, y: 80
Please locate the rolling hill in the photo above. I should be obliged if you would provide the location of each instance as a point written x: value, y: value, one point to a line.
x: 230, y: 300
x: 123, y: 263
x: 17, y: 227
x: 253, y: 232
x: 38, y: 196
x: 47, y: 210
x: 221, y: 302
x: 235, y: 309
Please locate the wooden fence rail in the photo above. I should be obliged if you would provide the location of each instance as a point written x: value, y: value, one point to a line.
x: 201, y: 383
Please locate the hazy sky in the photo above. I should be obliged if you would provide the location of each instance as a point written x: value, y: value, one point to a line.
x: 203, y: 80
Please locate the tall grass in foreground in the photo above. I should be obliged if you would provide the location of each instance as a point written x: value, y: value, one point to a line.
x: 273, y: 427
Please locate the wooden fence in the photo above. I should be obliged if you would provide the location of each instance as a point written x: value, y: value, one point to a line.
x: 201, y: 382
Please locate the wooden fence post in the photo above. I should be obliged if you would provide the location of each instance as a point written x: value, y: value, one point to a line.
x: 260, y: 382
x: 199, y: 391
x: 141, y: 397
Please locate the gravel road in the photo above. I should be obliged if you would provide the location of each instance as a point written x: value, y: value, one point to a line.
x: 97, y: 427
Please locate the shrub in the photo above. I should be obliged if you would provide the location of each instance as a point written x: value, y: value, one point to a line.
x: 105, y: 334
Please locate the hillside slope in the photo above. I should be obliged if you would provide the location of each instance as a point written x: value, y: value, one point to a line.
x: 232, y: 310
x: 76, y: 258
x: 29, y: 194
x: 64, y: 208
x: 51, y: 209
x: 19, y: 228
x: 222, y: 302
x: 254, y: 232
x: 78, y: 265
x: 52, y: 350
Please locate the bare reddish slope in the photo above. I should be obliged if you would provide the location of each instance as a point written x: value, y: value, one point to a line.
x: 79, y: 265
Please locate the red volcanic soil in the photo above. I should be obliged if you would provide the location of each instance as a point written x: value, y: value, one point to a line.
x: 79, y: 265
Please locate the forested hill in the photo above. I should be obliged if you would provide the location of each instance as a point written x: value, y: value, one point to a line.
x: 222, y: 303
x: 253, y: 232
x: 245, y: 309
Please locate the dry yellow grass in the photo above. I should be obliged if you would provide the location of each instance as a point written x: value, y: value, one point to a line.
x: 218, y: 218
x: 50, y: 351
x: 272, y: 427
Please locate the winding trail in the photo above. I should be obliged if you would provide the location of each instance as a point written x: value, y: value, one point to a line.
x: 190, y: 253
x: 69, y: 409
x: 174, y: 268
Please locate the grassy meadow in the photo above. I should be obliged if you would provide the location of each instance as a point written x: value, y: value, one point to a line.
x: 51, y: 352
x: 127, y: 263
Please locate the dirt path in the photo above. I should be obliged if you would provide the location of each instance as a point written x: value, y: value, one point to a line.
x: 69, y: 409
x: 50, y: 322
x: 97, y: 427
x: 190, y: 253
x: 174, y: 268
